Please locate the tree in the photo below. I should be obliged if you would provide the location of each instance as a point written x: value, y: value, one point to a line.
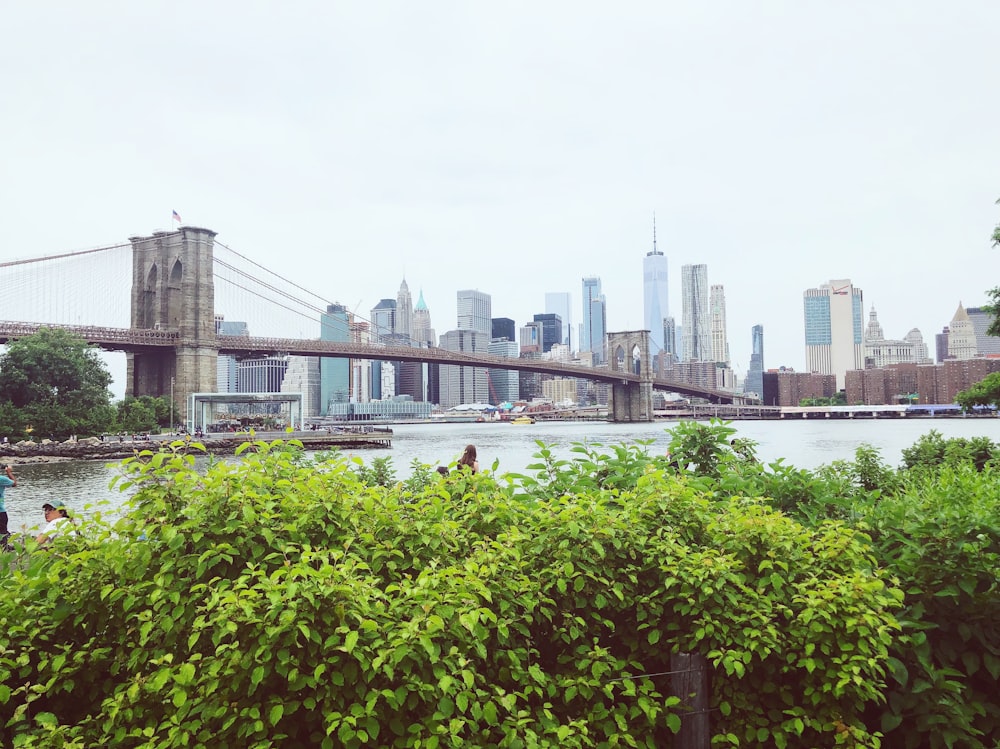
x: 986, y: 392
x: 996, y: 233
x: 142, y: 414
x: 52, y: 384
x: 994, y: 293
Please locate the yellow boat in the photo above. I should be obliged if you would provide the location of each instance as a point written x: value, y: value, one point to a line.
x: 522, y: 420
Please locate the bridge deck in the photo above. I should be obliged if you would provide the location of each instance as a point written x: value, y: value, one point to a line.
x: 135, y: 340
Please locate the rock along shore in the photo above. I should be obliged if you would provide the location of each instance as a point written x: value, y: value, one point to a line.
x: 111, y: 449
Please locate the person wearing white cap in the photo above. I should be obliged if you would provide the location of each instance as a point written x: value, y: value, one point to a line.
x: 57, y: 521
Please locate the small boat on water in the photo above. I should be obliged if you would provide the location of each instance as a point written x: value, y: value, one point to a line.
x: 522, y: 419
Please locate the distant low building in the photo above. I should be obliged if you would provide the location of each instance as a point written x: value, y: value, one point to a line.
x: 917, y: 383
x: 560, y: 390
x: 940, y: 383
x: 786, y: 387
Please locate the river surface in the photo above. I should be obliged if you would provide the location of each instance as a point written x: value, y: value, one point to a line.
x: 801, y: 443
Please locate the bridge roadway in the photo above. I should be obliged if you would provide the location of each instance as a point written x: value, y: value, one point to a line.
x: 132, y: 340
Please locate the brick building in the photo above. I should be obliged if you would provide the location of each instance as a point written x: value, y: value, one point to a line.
x: 933, y: 383
x: 880, y: 387
x: 786, y: 388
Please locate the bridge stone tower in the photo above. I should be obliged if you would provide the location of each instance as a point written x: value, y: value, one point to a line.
x: 173, y: 288
x: 628, y: 351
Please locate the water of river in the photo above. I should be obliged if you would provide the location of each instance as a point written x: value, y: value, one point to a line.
x: 801, y: 443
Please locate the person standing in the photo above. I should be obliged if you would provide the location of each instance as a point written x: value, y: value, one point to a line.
x: 6, y: 479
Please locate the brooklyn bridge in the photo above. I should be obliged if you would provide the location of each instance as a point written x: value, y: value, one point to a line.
x: 169, y: 282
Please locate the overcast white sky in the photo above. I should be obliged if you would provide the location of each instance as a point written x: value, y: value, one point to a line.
x: 516, y: 147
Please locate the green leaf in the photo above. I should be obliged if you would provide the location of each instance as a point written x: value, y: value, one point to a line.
x: 257, y: 675
x: 350, y: 640
x: 673, y: 722
x: 890, y: 721
x: 276, y: 712
x: 490, y: 713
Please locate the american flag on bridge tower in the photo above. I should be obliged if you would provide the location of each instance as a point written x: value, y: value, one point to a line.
x: 177, y: 217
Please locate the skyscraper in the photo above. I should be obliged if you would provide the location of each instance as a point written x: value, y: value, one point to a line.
x: 334, y: 373
x: 594, y: 319
x: 551, y: 330
x: 503, y: 327
x: 404, y: 312
x: 694, y: 313
x: 530, y: 338
x: 654, y: 295
x: 504, y: 383
x: 464, y: 384
x: 303, y: 376
x: 717, y: 323
x: 755, y: 375
x: 834, y: 329
x: 261, y: 375
x: 225, y: 372
x: 670, y: 347
x: 475, y: 312
x: 559, y: 303
x: 383, y: 317
x: 599, y: 331
x: 981, y: 320
x: 961, y: 336
x: 422, y: 331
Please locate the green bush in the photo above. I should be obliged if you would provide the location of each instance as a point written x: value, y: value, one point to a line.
x: 277, y: 603
x: 940, y: 538
x: 932, y: 450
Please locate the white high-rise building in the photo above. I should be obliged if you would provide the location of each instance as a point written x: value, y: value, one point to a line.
x: 558, y: 303
x: 302, y: 376
x: 464, y: 384
x: 654, y: 296
x: 881, y: 352
x: 505, y: 384
x: 696, y: 344
x: 834, y: 329
x: 717, y: 324
x: 475, y: 312
x: 916, y: 339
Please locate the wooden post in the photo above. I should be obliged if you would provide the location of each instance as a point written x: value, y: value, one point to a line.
x: 689, y: 681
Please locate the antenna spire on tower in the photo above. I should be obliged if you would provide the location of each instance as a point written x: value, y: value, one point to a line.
x: 654, y: 231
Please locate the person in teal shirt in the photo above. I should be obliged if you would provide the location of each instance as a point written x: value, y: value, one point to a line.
x: 6, y: 479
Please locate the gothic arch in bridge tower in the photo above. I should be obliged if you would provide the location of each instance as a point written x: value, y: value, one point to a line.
x: 632, y: 397
x: 147, y: 311
x: 174, y: 294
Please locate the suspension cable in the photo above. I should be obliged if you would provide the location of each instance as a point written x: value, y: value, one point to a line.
x: 10, y: 263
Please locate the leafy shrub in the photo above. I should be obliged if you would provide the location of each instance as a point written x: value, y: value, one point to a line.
x: 941, y: 539
x: 933, y: 450
x: 280, y: 603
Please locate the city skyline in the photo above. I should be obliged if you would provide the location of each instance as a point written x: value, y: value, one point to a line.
x: 468, y: 149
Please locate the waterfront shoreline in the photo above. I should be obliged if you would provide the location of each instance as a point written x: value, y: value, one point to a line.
x: 47, y: 451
